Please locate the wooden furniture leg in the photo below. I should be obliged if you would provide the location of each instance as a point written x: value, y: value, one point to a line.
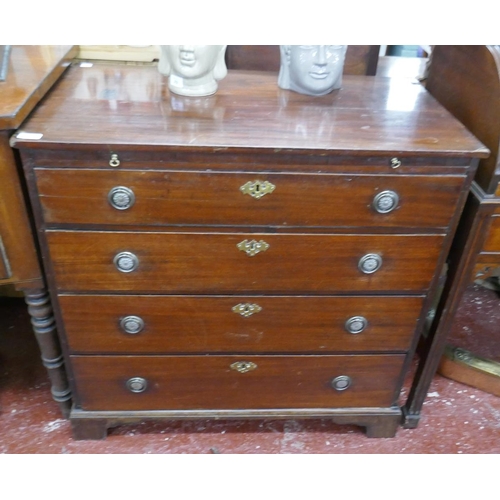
x: 469, y: 239
x: 42, y: 319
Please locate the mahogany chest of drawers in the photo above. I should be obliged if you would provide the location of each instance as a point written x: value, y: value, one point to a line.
x: 257, y: 253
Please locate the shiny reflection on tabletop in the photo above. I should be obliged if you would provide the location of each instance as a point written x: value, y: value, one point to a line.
x: 28, y: 65
x: 248, y: 110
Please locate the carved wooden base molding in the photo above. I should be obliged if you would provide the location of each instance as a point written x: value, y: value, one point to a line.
x: 379, y: 423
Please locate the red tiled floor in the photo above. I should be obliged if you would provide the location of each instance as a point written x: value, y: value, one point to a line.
x: 455, y: 419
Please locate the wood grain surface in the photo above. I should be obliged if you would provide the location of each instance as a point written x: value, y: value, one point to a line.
x: 16, y: 235
x: 198, y: 198
x: 212, y: 263
x: 492, y: 243
x: 108, y: 106
x: 33, y: 69
x: 465, y: 79
x: 198, y: 324
x: 198, y: 382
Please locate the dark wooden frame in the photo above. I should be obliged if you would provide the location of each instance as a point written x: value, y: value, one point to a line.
x: 466, y: 80
x: 38, y: 68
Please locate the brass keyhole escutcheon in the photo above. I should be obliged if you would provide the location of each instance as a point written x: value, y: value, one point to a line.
x: 247, y: 309
x: 243, y: 366
x: 257, y: 189
x: 252, y: 247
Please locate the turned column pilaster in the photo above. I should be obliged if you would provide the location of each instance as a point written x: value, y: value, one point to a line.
x: 44, y: 327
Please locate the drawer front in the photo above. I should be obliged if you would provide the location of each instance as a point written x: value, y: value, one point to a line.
x: 236, y: 199
x: 183, y: 324
x: 218, y: 263
x: 492, y: 243
x: 214, y: 382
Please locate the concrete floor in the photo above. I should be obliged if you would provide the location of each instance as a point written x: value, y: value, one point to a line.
x: 456, y: 418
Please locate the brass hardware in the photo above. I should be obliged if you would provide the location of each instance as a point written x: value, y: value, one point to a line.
x: 114, y: 161
x: 257, y: 189
x: 243, y: 366
x: 356, y: 324
x: 488, y: 273
x: 370, y: 263
x: 253, y: 247
x: 132, y: 324
x: 341, y: 383
x: 385, y: 202
x: 126, y: 262
x: 483, y: 272
x: 395, y: 162
x: 247, y: 309
x: 484, y: 365
x: 121, y: 197
x: 137, y: 384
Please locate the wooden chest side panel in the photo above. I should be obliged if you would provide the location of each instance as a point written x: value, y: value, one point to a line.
x: 209, y: 382
x: 197, y: 324
x: 212, y: 263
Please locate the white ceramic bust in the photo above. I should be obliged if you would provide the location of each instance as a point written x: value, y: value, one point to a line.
x: 193, y: 70
x: 311, y: 69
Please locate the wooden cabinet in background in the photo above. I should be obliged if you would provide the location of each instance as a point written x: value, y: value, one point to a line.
x: 31, y: 71
x: 465, y: 79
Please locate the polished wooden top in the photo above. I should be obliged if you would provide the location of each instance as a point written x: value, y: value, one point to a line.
x: 129, y: 105
x: 32, y: 70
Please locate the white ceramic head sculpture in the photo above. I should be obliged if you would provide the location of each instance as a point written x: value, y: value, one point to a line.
x: 311, y: 69
x: 193, y: 70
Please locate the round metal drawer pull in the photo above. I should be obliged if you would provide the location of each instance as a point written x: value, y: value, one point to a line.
x: 356, y: 324
x: 114, y: 161
x: 132, y: 324
x: 370, y: 263
x: 395, y: 163
x: 341, y: 383
x: 137, y: 384
x: 243, y: 366
x: 121, y: 198
x: 385, y: 202
x: 126, y: 262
